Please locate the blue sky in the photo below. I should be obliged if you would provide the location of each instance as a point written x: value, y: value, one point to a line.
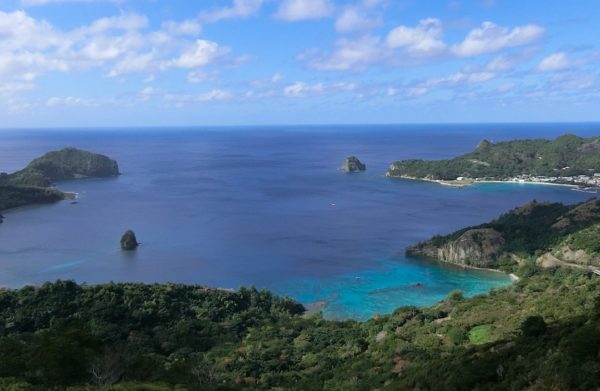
x: 103, y: 63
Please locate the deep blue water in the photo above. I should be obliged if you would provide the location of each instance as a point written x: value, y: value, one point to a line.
x: 265, y: 206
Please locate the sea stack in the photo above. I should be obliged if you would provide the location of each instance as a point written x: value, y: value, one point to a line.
x: 352, y: 164
x: 129, y: 241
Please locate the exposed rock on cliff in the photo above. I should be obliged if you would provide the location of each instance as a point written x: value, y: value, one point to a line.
x: 352, y: 164
x: 479, y: 247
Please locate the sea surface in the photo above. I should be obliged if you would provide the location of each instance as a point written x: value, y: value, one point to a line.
x: 264, y: 206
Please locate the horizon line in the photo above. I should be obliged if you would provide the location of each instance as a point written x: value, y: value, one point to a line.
x: 308, y: 125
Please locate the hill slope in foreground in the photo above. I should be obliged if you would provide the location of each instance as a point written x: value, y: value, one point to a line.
x: 565, y: 157
x: 541, y: 333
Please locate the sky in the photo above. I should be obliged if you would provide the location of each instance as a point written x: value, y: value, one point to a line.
x: 104, y: 63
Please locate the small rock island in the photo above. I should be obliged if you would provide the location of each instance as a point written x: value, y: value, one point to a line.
x: 352, y: 164
x: 129, y: 241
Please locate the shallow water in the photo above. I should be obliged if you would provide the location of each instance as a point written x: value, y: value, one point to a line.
x: 269, y: 207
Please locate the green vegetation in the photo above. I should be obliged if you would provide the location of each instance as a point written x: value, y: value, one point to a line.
x: 31, y: 185
x: 541, y: 333
x: 480, y: 334
x: 585, y: 239
x: 15, y: 196
x: 567, y: 155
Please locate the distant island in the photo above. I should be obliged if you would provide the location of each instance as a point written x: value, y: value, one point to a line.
x: 32, y: 184
x: 544, y: 234
x: 540, y: 333
x: 568, y: 159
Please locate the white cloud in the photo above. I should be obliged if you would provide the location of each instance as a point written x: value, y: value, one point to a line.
x: 295, y: 10
x: 198, y: 76
x: 424, y: 40
x: 181, y: 100
x: 186, y: 27
x: 20, y: 31
x: 500, y: 64
x: 454, y: 80
x: 71, y: 101
x: 354, y: 19
x: 239, y: 9
x: 133, y: 63
x: 262, y: 83
x: 351, y: 55
x: 116, y: 45
x: 491, y: 38
x: 301, y: 89
x: 203, y: 52
x: 101, y: 48
x: 555, y: 62
x: 127, y: 22
x: 29, y: 3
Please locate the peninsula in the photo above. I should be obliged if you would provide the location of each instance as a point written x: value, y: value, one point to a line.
x: 32, y: 184
x: 541, y: 234
x: 568, y: 159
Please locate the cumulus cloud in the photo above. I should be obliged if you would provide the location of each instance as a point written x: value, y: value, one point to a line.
x: 454, y: 80
x: 199, y: 76
x: 419, y: 44
x: 295, y: 10
x: 351, y: 55
x: 500, y: 64
x: 301, y: 89
x: 491, y: 38
x: 555, y: 62
x: 424, y: 40
x: 203, y: 52
x: 29, y: 3
x: 355, y: 20
x: 239, y: 9
x: 186, y: 27
x: 20, y: 31
x: 118, y: 45
x: 181, y: 100
x: 72, y: 101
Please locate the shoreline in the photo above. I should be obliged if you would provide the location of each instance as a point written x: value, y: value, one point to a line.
x: 471, y: 182
x: 512, y: 276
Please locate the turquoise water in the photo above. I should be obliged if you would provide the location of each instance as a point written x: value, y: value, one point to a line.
x: 266, y: 207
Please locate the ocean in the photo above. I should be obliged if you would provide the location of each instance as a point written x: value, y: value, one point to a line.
x: 264, y: 206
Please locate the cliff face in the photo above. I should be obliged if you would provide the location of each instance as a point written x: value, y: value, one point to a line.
x: 479, y: 247
x: 68, y: 163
